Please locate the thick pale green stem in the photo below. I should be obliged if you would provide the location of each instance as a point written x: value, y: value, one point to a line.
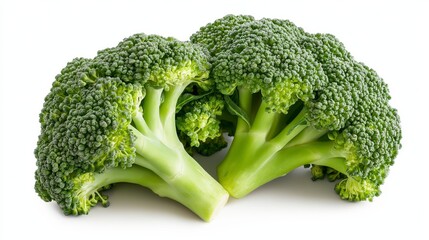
x: 168, y: 115
x: 135, y: 174
x: 168, y: 106
x: 245, y: 102
x: 278, y: 123
x: 337, y: 163
x: 264, y: 121
x: 198, y: 191
x: 247, y: 153
x: 309, y: 134
x: 156, y: 156
x: 251, y: 151
x: 141, y: 124
x: 160, y: 151
x: 192, y: 186
x: 195, y: 190
x: 97, y: 181
x: 243, y: 171
x: 291, y: 130
x: 321, y: 153
x: 151, y: 105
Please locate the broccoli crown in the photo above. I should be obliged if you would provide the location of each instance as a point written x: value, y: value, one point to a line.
x: 354, y: 107
x: 154, y: 60
x: 86, y: 115
x: 111, y: 119
x: 84, y: 124
x: 263, y: 56
x: 349, y: 83
x: 341, y: 98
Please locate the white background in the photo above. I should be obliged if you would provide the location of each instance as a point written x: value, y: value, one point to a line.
x: 38, y: 38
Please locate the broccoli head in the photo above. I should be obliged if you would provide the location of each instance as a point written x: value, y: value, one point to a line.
x: 302, y: 100
x: 112, y: 119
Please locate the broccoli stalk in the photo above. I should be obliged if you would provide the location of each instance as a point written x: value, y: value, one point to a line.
x: 112, y: 119
x: 162, y: 152
x: 159, y: 149
x: 194, y: 196
x: 268, y: 161
x: 300, y: 99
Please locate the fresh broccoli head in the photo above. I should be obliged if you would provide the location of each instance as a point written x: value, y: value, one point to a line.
x: 301, y: 99
x: 112, y: 119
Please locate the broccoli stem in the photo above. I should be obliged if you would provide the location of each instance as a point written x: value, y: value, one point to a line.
x: 337, y: 163
x: 196, y: 190
x: 267, y: 135
x: 141, y: 125
x: 245, y: 102
x: 262, y: 118
x: 242, y: 172
x: 156, y: 156
x: 160, y: 151
x: 295, y: 127
x: 168, y: 106
x: 186, y: 181
x: 192, y: 186
x: 88, y: 192
x: 190, y: 189
x: 134, y: 174
x: 320, y: 153
x: 309, y: 134
x: 151, y: 103
x: 157, y: 118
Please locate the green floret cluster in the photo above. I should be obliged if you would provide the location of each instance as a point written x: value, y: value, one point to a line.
x: 303, y: 100
x: 111, y: 119
x: 85, y: 129
x: 138, y: 111
x: 199, y: 116
x: 160, y: 62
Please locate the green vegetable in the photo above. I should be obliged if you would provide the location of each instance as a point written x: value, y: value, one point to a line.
x: 112, y: 119
x: 303, y: 100
x: 135, y: 112
x: 200, y: 122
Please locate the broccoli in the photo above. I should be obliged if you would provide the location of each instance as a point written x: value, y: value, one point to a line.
x: 111, y: 119
x: 300, y: 99
x: 201, y: 115
x: 199, y: 123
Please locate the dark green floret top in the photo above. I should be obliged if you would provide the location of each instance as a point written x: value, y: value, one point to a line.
x: 155, y: 60
x: 263, y: 56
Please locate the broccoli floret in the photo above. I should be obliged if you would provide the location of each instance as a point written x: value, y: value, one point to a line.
x: 214, y: 34
x: 303, y: 100
x: 199, y: 119
x: 112, y: 119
